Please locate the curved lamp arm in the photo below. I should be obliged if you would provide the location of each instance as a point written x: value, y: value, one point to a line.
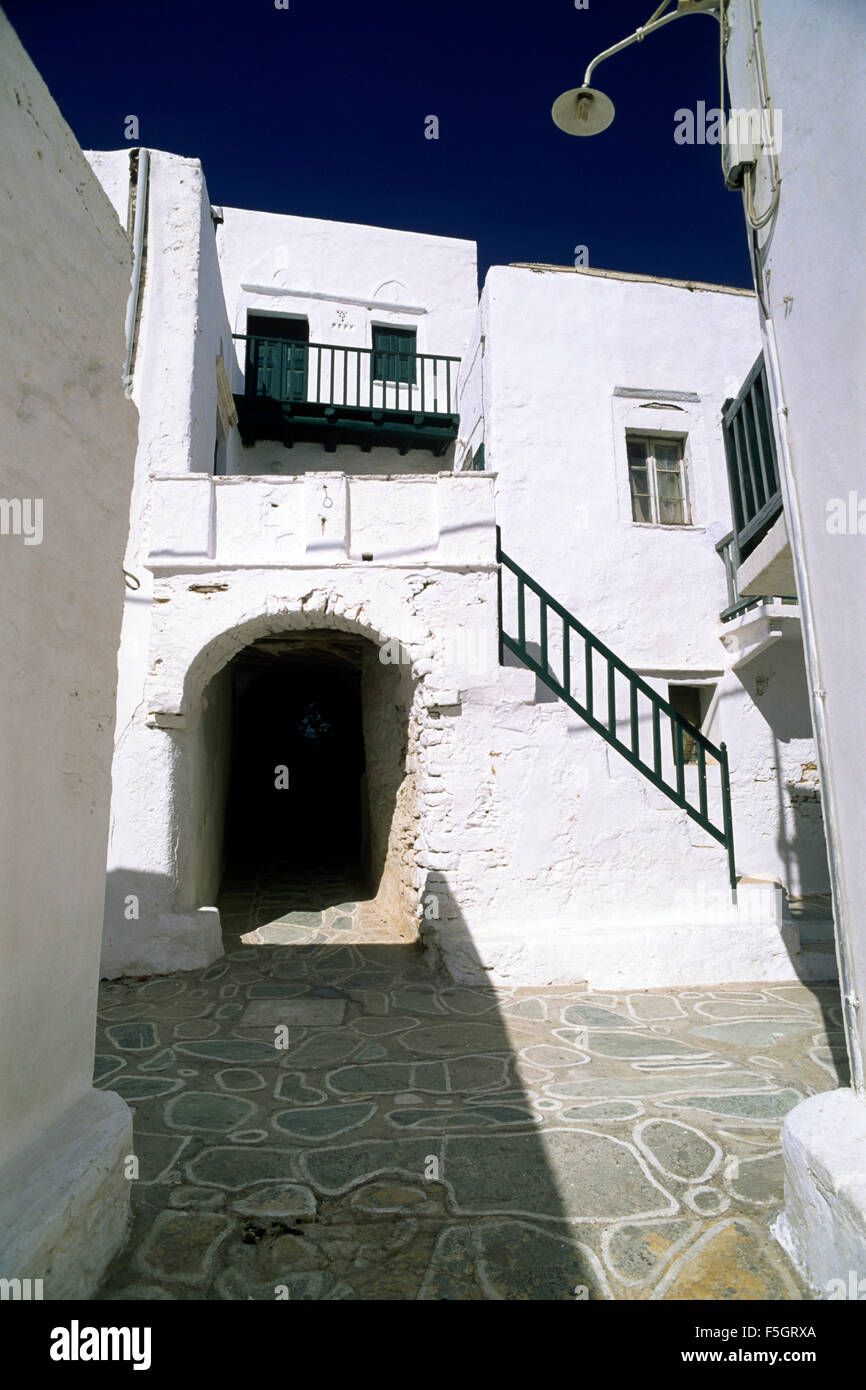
x: 709, y: 6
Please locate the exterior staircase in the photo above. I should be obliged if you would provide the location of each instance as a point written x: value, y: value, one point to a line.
x: 614, y: 701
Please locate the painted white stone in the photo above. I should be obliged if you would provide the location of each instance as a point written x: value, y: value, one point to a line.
x: 823, y: 1226
x: 65, y: 1203
x: 69, y: 439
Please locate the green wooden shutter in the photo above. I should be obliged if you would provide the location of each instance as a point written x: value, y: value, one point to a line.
x: 296, y: 371
x: 394, y: 355
x: 270, y: 364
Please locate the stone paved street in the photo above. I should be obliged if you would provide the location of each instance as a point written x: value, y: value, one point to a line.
x: 419, y: 1139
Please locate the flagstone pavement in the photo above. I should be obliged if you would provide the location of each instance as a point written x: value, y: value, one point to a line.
x: 320, y: 1116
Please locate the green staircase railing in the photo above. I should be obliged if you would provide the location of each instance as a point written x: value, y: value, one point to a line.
x: 592, y: 679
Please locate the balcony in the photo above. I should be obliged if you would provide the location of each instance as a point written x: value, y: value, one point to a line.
x: 760, y: 551
x: 320, y: 393
x: 751, y: 623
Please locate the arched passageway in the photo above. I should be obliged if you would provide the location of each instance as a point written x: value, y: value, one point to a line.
x: 316, y: 727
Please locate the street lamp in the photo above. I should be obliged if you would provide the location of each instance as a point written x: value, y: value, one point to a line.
x: 587, y: 111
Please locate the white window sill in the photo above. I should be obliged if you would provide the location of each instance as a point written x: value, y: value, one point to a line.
x: 664, y: 526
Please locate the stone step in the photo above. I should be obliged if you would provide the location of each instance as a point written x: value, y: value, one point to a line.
x: 819, y: 933
x: 816, y: 962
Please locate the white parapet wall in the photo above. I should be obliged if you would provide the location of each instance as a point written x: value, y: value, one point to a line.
x: 69, y: 438
x: 321, y: 519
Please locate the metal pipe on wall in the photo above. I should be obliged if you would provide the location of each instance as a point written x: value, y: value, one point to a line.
x: 141, y: 187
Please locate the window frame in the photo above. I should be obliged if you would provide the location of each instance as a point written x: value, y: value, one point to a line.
x: 650, y: 438
x: 707, y: 691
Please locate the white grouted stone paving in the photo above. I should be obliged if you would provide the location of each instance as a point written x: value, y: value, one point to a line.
x: 422, y: 1139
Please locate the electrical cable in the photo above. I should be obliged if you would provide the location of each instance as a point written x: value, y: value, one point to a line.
x: 724, y: 31
x: 757, y: 221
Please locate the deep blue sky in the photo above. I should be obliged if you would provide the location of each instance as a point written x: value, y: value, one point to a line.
x: 319, y: 110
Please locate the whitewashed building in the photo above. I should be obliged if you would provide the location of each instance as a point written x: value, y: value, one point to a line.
x: 332, y: 428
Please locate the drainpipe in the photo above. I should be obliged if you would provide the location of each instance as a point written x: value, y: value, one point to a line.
x: 850, y: 1002
x: 141, y: 186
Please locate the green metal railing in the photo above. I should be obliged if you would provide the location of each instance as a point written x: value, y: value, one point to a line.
x: 351, y: 377
x: 590, y: 680
x: 737, y: 603
x: 750, y: 449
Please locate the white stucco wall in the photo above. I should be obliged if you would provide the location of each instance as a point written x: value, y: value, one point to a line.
x: 111, y: 167
x: 182, y: 328
x: 471, y: 393
x: 816, y: 304
x: 315, y: 269
x: 559, y: 346
x: 300, y: 259
x: 573, y: 360
x: 69, y: 440
x: 807, y: 264
x: 180, y: 331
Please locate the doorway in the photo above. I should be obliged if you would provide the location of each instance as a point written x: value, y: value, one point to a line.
x: 307, y: 734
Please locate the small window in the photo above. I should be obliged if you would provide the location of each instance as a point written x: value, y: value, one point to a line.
x: 394, y: 355
x: 656, y: 474
x: 692, y: 702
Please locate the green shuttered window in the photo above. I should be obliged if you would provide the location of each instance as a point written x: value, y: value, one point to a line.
x: 394, y: 355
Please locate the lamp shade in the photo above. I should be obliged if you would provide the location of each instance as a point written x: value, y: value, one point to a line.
x: 582, y: 111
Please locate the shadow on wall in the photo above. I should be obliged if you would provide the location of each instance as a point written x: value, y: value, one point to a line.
x: 780, y: 695
x: 543, y: 693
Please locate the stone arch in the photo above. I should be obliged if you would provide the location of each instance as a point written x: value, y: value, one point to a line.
x: 177, y: 687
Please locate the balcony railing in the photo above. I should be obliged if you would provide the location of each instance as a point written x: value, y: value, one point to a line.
x: 753, y: 474
x: 737, y: 602
x: 335, y: 394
